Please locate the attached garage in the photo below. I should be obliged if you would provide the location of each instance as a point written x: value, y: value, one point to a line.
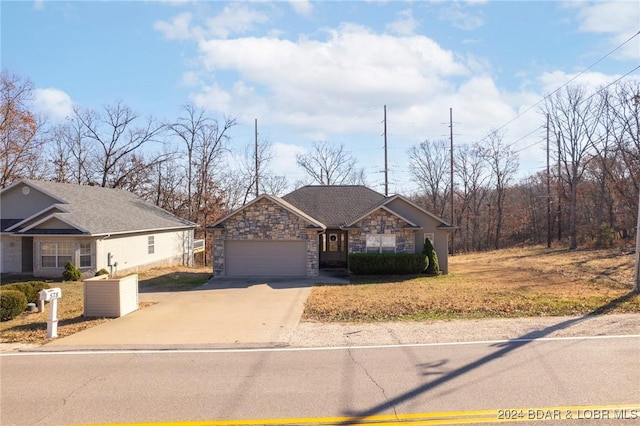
x: 265, y: 257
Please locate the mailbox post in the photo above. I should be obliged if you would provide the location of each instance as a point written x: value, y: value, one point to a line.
x: 51, y: 295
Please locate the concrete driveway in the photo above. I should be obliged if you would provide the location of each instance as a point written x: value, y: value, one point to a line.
x: 221, y: 313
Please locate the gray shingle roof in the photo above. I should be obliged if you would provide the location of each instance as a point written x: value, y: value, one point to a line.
x: 334, y: 205
x: 98, y: 210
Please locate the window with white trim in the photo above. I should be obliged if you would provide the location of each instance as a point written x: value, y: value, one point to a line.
x: 151, y: 245
x: 85, y: 255
x: 381, y: 243
x: 56, y: 255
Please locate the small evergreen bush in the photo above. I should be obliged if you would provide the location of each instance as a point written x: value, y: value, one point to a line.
x: 386, y: 263
x: 102, y: 272
x: 71, y: 273
x: 606, y: 236
x: 12, y: 304
x: 433, y: 266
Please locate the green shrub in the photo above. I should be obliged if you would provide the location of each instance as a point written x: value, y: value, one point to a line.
x: 433, y: 266
x: 12, y: 304
x: 30, y: 289
x: 386, y: 263
x: 38, y: 286
x: 71, y: 273
x: 102, y: 272
x: 606, y: 236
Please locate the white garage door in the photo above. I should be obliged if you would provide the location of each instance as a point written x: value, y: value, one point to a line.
x: 265, y: 258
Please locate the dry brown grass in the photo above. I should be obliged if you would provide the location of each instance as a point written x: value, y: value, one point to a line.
x: 506, y: 283
x: 32, y: 327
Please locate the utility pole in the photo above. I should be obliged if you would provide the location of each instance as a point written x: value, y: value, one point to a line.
x: 451, y: 183
x: 256, y: 151
x: 636, y: 282
x: 548, y: 191
x: 559, y: 185
x: 386, y: 170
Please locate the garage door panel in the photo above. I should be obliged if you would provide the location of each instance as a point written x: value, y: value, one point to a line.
x: 266, y: 258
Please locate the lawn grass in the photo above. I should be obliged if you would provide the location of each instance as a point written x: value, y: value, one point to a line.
x: 520, y: 282
x: 32, y: 327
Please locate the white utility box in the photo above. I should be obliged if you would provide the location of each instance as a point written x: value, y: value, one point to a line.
x: 110, y: 297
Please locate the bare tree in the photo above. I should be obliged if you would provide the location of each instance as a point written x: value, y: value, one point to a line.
x: 429, y: 165
x: 473, y: 177
x: 330, y: 164
x: 191, y: 128
x: 207, y: 156
x: 117, y: 135
x: 573, y: 124
x: 503, y: 162
x: 624, y: 172
x: 274, y: 184
x: 21, y: 139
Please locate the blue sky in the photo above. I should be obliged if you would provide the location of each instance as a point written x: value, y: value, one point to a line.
x: 312, y: 71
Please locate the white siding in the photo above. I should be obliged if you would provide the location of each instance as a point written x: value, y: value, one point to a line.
x: 11, y: 254
x: 17, y: 204
x: 131, y: 252
x: 111, y: 298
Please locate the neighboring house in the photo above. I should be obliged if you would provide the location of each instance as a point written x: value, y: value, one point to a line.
x: 315, y: 227
x: 44, y: 225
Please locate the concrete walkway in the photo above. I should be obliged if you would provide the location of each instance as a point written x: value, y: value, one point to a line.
x: 221, y: 313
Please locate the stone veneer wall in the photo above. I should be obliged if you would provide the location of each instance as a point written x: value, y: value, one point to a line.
x: 381, y: 222
x: 265, y: 220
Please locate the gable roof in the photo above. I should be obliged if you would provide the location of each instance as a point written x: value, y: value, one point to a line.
x: 388, y: 210
x: 384, y: 204
x: 96, y: 210
x: 277, y: 200
x: 335, y: 206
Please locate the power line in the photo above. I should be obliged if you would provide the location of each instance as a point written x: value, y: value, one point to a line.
x: 571, y: 80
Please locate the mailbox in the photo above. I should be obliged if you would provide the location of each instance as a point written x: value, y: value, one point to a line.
x: 50, y: 294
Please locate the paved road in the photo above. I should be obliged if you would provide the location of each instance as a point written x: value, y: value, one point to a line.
x: 117, y: 387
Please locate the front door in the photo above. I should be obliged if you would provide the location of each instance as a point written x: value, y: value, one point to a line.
x: 333, y: 249
x: 27, y: 254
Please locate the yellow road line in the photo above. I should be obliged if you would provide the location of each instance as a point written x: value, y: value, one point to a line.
x: 511, y: 415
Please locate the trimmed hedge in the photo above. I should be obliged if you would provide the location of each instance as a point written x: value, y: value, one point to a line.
x: 12, y: 304
x: 30, y: 289
x: 386, y: 263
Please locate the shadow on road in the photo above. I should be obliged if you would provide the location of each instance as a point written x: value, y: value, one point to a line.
x: 505, y: 348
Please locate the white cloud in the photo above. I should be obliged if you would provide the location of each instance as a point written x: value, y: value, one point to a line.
x: 618, y: 18
x: 550, y: 81
x: 179, y: 28
x: 284, y: 158
x: 307, y: 80
x: 212, y: 97
x: 235, y: 18
x: 54, y: 103
x: 461, y: 16
x: 405, y: 24
x: 302, y: 7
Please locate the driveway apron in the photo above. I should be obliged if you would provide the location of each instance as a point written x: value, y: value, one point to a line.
x: 221, y: 313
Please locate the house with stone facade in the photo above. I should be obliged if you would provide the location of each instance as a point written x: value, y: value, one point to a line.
x: 44, y: 225
x: 316, y: 227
